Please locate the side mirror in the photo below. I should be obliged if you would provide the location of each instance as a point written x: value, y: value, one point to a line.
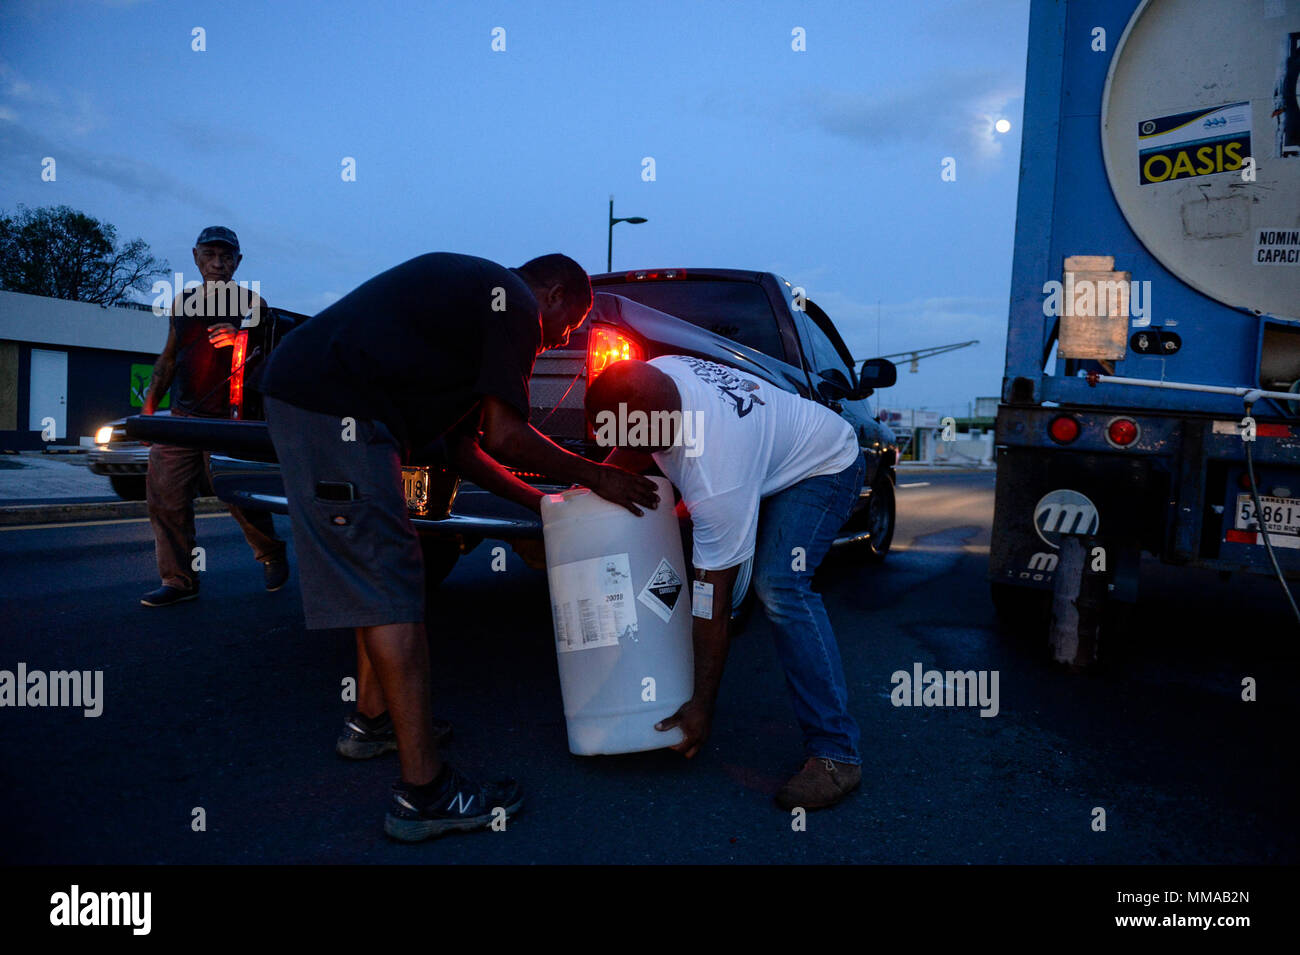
x: 876, y: 373
x: 834, y: 386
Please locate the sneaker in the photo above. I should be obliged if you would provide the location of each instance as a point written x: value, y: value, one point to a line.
x: 460, y: 804
x: 165, y: 596
x: 275, y: 573
x: 364, y: 738
x: 821, y: 783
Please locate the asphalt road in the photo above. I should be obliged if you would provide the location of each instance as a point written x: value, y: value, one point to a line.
x: 228, y: 704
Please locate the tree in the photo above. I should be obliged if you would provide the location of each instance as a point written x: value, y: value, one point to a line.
x: 62, y: 253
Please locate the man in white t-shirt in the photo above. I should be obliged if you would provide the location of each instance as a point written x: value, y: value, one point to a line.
x: 765, y: 474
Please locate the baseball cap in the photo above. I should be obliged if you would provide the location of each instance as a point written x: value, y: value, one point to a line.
x: 218, y: 233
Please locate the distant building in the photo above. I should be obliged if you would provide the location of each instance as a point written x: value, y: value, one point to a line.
x: 80, y: 365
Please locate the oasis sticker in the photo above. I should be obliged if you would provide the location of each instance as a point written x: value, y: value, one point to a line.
x: 1200, y: 142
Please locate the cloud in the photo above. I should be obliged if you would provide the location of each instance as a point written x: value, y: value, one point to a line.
x: 943, y: 382
x: 915, y: 324
x: 955, y: 19
x: 20, y: 145
x: 75, y: 114
x: 797, y: 275
x: 200, y: 137
x: 321, y: 300
x: 952, y: 109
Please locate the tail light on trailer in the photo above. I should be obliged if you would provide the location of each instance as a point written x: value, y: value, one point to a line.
x: 1122, y: 432
x: 237, y: 376
x: 1063, y: 429
x: 606, y: 345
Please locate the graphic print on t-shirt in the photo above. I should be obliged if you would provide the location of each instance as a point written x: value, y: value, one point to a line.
x: 734, y: 390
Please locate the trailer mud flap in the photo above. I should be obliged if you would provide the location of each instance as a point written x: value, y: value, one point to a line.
x: 1043, y: 495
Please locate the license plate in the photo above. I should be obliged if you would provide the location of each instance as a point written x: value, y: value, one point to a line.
x: 415, y: 481
x: 1281, y: 514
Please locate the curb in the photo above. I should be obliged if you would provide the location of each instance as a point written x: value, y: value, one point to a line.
x: 103, y: 511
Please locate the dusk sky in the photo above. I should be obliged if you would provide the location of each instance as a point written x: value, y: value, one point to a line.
x: 822, y: 165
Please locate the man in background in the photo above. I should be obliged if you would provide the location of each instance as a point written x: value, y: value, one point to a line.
x: 196, y: 359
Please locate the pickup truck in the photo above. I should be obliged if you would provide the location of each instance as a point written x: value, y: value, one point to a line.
x: 755, y: 322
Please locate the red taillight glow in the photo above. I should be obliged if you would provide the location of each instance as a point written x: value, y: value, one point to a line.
x: 1063, y: 429
x: 237, y: 375
x: 1122, y: 432
x: 606, y: 345
x: 655, y: 274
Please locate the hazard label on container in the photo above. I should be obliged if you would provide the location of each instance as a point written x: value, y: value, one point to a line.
x: 1277, y: 247
x: 662, y: 590
x: 592, y: 603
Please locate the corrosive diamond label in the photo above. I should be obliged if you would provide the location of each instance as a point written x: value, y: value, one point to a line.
x: 662, y: 590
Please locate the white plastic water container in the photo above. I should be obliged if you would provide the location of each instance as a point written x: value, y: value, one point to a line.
x: 621, y: 608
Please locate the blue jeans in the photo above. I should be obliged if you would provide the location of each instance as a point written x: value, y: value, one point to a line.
x: 808, y: 515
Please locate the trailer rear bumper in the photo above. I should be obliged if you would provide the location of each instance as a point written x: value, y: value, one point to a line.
x: 1175, y: 492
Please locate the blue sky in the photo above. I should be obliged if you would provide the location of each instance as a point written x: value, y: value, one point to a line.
x: 822, y: 165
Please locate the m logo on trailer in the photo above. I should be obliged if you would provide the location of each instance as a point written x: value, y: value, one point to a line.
x: 1062, y: 512
x: 1043, y: 561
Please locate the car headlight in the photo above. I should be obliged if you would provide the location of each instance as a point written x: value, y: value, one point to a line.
x: 104, y: 434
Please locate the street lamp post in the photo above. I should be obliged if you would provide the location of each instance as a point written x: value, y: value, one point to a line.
x: 609, y: 248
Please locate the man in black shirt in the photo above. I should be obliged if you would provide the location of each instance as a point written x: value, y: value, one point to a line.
x: 440, y: 346
x: 196, y: 359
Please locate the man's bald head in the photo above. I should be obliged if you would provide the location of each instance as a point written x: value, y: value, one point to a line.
x: 636, y: 386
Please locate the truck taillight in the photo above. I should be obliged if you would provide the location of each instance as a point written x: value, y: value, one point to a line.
x: 646, y: 275
x: 1122, y: 432
x: 237, y: 376
x: 606, y: 345
x: 1063, y: 429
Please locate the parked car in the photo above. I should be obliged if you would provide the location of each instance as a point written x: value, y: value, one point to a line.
x: 123, y: 459
x: 751, y: 321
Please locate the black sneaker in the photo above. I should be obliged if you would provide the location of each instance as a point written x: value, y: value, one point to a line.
x: 165, y: 596
x: 364, y: 738
x: 461, y: 804
x: 275, y: 573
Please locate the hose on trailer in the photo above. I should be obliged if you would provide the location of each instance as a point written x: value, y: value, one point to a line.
x: 1259, y: 518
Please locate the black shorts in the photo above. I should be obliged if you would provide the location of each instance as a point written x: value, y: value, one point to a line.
x: 359, y: 561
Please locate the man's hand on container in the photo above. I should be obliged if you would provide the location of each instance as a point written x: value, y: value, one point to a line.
x: 695, y: 720
x: 626, y: 489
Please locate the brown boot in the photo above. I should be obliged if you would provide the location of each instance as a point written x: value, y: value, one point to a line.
x: 821, y: 783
